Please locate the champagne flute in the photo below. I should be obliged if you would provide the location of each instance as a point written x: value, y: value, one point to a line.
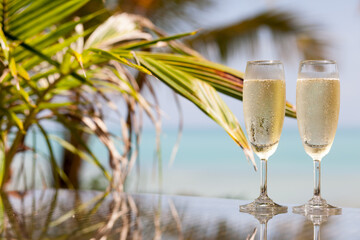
x: 318, y: 105
x: 264, y: 112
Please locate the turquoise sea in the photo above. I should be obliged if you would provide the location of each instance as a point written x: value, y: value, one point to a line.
x: 209, y: 163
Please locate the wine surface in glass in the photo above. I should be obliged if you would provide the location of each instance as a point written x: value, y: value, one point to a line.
x: 264, y: 111
x: 317, y: 106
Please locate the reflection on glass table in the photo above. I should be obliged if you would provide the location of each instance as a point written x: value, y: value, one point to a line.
x: 317, y: 219
x: 67, y: 214
x: 263, y: 218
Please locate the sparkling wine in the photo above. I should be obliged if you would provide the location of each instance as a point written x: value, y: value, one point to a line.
x: 264, y: 111
x: 317, y: 105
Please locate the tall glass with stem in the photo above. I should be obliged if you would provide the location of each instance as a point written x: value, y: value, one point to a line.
x: 264, y: 112
x: 317, y: 105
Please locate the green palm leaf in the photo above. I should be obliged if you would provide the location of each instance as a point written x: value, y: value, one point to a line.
x: 25, y: 21
x: 43, y: 41
x: 35, y: 16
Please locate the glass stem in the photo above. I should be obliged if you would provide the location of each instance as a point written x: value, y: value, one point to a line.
x: 316, y: 232
x: 263, y: 231
x: 317, y: 172
x: 263, y: 177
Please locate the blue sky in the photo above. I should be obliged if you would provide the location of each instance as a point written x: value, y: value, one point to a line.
x: 339, y: 22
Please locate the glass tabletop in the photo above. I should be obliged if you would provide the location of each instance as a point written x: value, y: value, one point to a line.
x: 67, y: 214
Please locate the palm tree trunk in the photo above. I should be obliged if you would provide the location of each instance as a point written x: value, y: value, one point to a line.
x: 71, y: 164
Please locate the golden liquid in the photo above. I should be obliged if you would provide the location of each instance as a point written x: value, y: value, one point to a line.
x: 317, y: 105
x: 264, y: 111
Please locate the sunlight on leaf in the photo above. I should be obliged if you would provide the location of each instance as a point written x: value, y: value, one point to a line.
x: 22, y: 72
x: 4, y: 45
x: 117, y: 29
x: 12, y: 67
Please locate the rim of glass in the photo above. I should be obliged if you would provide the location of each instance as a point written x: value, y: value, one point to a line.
x: 264, y: 62
x: 313, y: 62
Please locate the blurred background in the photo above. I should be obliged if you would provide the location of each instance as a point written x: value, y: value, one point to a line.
x: 208, y: 163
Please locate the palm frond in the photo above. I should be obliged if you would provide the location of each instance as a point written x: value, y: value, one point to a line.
x: 44, y: 41
x: 164, y: 13
x: 284, y: 27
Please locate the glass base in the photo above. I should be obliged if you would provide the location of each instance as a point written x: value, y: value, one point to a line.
x: 263, y: 204
x: 317, y: 206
